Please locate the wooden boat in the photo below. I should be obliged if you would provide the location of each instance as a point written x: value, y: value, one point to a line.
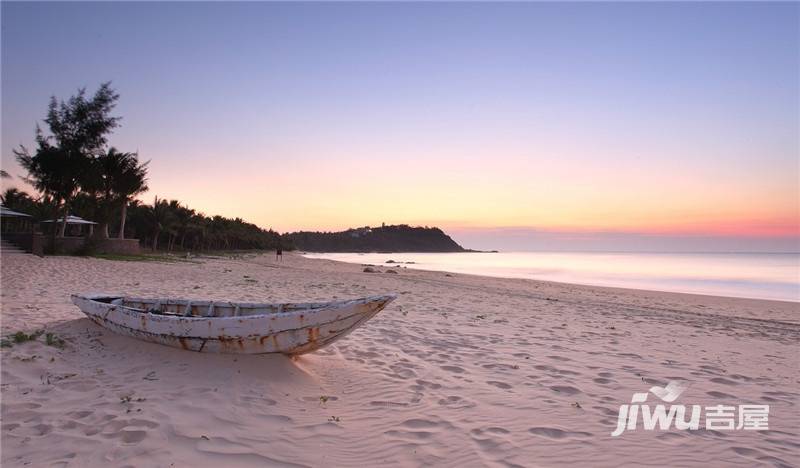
x: 231, y: 327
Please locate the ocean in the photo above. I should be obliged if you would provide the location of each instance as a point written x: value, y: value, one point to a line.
x: 752, y: 275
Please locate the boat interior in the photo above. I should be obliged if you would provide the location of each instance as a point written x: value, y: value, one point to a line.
x: 190, y: 308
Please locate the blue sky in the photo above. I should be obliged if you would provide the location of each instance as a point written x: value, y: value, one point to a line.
x: 667, y: 118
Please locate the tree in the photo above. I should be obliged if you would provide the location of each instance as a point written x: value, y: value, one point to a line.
x: 160, y: 218
x: 130, y: 181
x: 54, y: 172
x: 78, y: 127
x: 17, y: 200
x: 4, y: 174
x: 113, y: 179
x: 179, y: 217
x: 184, y: 220
x: 81, y: 124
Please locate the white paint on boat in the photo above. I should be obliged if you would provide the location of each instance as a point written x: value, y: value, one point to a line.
x: 231, y: 327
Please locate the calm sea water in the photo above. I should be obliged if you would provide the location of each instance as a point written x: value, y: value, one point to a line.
x: 762, y: 276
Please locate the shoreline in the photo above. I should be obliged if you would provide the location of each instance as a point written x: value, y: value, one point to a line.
x: 460, y: 369
x: 402, y: 264
x: 781, y: 311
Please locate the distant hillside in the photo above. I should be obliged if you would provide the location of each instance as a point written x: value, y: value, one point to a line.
x: 400, y: 238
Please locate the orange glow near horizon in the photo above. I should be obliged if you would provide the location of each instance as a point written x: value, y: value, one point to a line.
x: 467, y: 191
x: 341, y: 193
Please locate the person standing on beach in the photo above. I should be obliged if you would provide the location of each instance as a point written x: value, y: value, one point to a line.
x: 278, y: 254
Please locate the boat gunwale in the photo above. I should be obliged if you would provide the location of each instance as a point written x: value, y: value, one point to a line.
x: 231, y: 337
x: 294, y: 309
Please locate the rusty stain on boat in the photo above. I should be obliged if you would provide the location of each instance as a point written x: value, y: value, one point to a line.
x: 258, y: 328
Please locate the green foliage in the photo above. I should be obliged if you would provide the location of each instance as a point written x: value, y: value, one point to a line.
x: 21, y: 337
x: 399, y: 238
x: 61, y: 164
x: 114, y: 177
x: 75, y: 172
x: 53, y: 171
x: 17, y: 200
x: 82, y: 125
x: 169, y: 225
x: 52, y: 340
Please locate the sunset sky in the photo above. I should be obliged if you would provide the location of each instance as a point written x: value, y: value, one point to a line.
x: 510, y: 125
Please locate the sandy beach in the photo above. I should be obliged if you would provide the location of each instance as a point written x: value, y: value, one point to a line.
x: 459, y: 371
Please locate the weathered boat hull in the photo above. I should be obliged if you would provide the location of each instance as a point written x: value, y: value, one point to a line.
x: 298, y: 330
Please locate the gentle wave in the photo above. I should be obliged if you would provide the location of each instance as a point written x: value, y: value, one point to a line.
x: 750, y: 275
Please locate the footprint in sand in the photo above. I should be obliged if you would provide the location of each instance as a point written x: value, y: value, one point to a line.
x: 491, y: 430
x: 675, y: 437
x: 422, y: 384
x: 417, y: 429
x: 559, y: 358
x: 259, y: 400
x: 426, y: 424
x: 69, y: 425
x: 565, y: 389
x: 747, y: 452
x: 132, y: 437
x: 411, y: 436
x: 40, y: 430
x: 722, y: 381
x: 497, y: 384
x: 554, y: 433
x: 455, y: 402
x: 79, y: 414
x: 120, y: 424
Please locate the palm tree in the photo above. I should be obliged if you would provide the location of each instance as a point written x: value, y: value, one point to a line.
x: 160, y: 219
x: 175, y: 209
x: 184, y: 219
x: 4, y: 174
x: 131, y: 181
x: 116, y: 177
x: 200, y: 224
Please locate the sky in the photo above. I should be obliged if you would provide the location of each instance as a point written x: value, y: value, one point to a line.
x: 608, y: 126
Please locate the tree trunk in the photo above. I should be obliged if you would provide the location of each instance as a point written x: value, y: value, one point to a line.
x: 62, y: 231
x: 104, y: 215
x: 122, y: 222
x: 155, y: 239
x: 102, y: 231
x: 52, y: 248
